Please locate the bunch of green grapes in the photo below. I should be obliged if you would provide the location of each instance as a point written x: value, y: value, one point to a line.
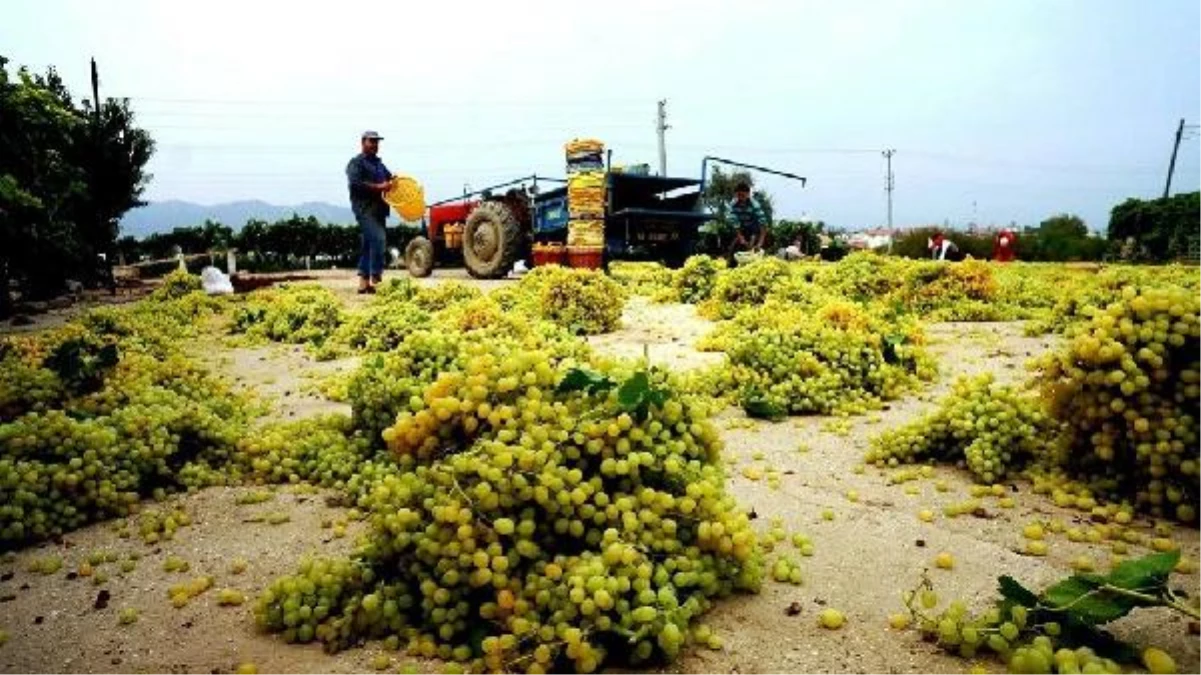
x: 396, y: 289
x: 744, y: 286
x: 95, y: 440
x: 297, y: 314
x: 641, y: 278
x: 523, y: 526
x: 176, y: 285
x: 837, y: 358
x: 442, y: 296
x: 863, y: 276
x: 992, y: 429
x: 381, y: 326
x: 1128, y: 388
x: 694, y: 282
x: 321, y: 451
x: 1008, y: 632
x: 384, y: 384
x: 585, y: 302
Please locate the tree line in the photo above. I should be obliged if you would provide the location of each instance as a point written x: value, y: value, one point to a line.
x: 261, y: 246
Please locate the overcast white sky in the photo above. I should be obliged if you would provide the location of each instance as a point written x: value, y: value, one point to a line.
x: 1006, y: 110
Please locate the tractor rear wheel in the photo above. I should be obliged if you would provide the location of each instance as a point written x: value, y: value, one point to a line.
x: 419, y: 257
x: 491, y: 241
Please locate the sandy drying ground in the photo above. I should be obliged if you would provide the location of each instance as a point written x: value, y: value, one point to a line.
x: 872, y: 549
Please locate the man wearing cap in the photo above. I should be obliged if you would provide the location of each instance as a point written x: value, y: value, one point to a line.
x: 368, y: 179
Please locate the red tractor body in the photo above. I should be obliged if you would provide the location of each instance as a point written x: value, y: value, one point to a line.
x: 445, y: 214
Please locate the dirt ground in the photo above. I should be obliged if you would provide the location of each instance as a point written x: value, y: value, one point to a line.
x: 864, y: 557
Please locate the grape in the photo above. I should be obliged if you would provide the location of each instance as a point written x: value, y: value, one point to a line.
x: 831, y: 618
x: 246, y: 668
x: 229, y: 596
x: 127, y: 615
x: 1033, y: 531
x: 1036, y: 548
x: 1158, y: 661
x: 898, y: 621
x: 944, y: 561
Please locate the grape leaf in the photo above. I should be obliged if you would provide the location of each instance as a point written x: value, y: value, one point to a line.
x: 632, y: 393
x: 578, y: 379
x: 1147, y: 572
x: 1014, y: 592
x: 889, y: 348
x: 1084, y: 598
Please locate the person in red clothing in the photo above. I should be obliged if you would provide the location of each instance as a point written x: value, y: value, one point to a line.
x: 1004, y: 247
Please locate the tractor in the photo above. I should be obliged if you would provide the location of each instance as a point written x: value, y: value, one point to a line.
x: 645, y: 218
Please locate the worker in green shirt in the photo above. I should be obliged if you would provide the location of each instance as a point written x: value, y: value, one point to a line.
x: 750, y: 223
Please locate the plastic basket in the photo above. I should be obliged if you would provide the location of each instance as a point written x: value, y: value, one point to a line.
x: 586, y: 257
x: 406, y: 197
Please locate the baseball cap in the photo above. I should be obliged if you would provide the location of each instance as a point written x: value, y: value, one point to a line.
x: 372, y: 134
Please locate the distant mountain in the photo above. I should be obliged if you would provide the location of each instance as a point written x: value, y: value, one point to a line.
x: 167, y: 215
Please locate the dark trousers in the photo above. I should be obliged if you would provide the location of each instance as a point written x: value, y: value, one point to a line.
x: 375, y: 240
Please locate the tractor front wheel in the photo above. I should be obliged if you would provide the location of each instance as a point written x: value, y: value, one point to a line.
x: 419, y: 257
x: 491, y: 241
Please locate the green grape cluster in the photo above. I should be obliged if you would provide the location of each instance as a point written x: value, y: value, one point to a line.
x: 523, y: 526
x: 695, y: 281
x: 444, y: 295
x: 742, y: 287
x: 175, y: 285
x: 863, y: 276
x: 320, y: 450
x: 147, y: 422
x: 993, y: 430
x: 1128, y: 387
x: 839, y: 358
x: 384, y: 384
x: 585, y: 302
x: 1007, y: 632
x: 383, y: 325
x: 641, y: 278
x: 297, y: 314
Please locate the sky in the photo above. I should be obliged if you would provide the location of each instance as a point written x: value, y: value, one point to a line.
x: 999, y: 111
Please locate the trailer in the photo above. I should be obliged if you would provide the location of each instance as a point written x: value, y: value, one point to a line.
x: 646, y: 217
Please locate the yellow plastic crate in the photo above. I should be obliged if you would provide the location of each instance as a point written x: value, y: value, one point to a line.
x: 406, y: 197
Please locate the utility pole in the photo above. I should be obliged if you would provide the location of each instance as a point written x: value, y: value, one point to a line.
x: 1172, y: 164
x: 888, y: 182
x: 660, y: 128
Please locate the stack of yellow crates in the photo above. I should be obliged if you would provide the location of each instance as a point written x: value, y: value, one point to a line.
x: 586, y: 194
x: 585, y: 233
x: 585, y: 202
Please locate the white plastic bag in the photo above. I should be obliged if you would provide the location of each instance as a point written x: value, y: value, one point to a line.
x: 215, y: 282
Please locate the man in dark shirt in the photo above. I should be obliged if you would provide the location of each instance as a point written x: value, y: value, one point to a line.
x: 368, y: 179
x: 749, y: 221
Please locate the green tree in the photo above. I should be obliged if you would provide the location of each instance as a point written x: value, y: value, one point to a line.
x: 1156, y: 229
x: 67, y: 174
x: 1060, y: 238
